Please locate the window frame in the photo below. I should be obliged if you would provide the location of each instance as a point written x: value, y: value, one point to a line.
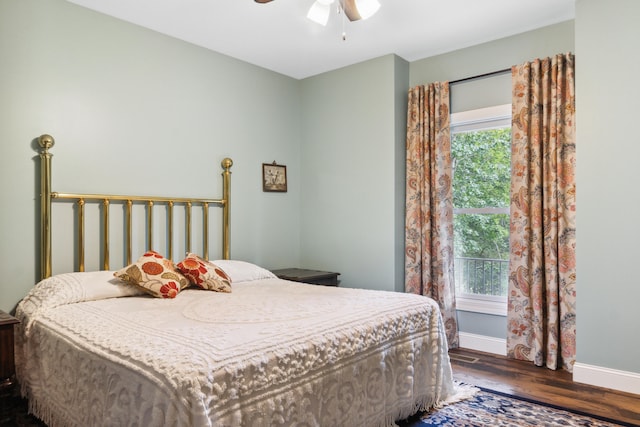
x: 494, y: 117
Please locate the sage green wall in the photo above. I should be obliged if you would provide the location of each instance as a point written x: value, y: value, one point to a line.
x: 480, y: 59
x: 608, y: 199
x: 350, y: 160
x: 130, y: 107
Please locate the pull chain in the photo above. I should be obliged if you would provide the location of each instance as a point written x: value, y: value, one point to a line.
x: 344, y: 31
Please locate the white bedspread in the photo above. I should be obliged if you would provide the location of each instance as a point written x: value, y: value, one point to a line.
x: 270, y: 353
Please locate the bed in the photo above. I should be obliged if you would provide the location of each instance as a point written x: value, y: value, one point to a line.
x: 93, y: 349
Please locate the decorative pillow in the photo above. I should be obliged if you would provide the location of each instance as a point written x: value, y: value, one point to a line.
x: 155, y: 275
x: 242, y: 271
x: 204, y: 274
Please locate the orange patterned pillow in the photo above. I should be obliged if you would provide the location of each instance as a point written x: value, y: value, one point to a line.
x: 204, y: 274
x: 155, y: 275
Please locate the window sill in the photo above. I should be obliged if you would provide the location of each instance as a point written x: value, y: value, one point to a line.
x: 477, y: 305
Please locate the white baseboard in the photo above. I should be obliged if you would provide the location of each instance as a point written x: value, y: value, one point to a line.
x: 605, y: 377
x: 628, y: 382
x: 483, y: 343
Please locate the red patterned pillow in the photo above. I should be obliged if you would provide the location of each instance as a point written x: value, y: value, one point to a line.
x: 204, y: 274
x: 155, y: 275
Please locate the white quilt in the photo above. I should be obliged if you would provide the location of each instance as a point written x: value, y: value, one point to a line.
x: 270, y: 353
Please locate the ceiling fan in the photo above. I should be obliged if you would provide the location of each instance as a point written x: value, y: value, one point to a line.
x: 353, y: 9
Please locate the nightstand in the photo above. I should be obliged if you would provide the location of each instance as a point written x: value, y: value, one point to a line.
x: 308, y: 276
x: 8, y: 393
x: 7, y: 362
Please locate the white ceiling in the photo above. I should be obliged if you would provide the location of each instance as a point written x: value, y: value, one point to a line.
x: 279, y: 37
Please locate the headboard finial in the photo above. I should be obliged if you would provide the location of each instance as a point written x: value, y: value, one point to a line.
x: 46, y: 141
x: 227, y: 163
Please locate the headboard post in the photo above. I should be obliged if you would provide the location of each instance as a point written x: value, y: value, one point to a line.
x: 226, y: 209
x: 46, y: 142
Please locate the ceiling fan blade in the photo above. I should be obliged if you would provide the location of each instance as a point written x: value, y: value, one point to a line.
x: 350, y: 9
x: 263, y: 1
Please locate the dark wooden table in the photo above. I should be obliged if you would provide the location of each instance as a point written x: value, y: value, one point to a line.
x: 7, y: 368
x: 7, y: 364
x: 308, y: 276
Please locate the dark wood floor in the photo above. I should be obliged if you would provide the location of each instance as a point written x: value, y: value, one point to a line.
x: 526, y: 380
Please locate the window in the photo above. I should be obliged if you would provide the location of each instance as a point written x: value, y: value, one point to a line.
x: 481, y: 156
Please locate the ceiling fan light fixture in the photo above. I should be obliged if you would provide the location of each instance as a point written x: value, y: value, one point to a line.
x: 319, y: 11
x: 367, y: 8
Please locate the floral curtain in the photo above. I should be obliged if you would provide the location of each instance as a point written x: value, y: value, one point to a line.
x: 542, y: 271
x: 429, y: 202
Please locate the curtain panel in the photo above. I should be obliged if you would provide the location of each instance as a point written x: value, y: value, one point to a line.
x: 429, y: 253
x: 542, y: 268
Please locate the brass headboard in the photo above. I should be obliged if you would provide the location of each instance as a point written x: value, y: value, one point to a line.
x: 47, y: 196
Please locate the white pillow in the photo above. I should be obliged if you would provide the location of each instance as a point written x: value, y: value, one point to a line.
x: 101, y: 285
x: 242, y: 271
x: 71, y: 288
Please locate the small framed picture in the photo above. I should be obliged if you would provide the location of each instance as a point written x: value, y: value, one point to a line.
x: 274, y: 177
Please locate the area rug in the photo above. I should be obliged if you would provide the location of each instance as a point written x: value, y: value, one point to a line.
x: 489, y: 408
